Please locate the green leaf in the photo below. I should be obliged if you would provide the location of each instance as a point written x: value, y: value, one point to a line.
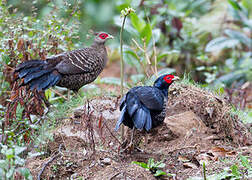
x: 235, y: 170
x: 160, y: 165
x: 239, y: 36
x: 131, y: 53
x: 19, y: 149
x: 9, y: 154
x: 137, y: 23
x: 10, y: 172
x: 245, y: 162
x: 137, y: 77
x: 235, y: 4
x: 25, y: 172
x: 159, y: 173
x: 146, y: 33
x: 3, y: 164
x: 111, y: 80
x: 19, y: 161
x: 151, y: 163
x: 48, y: 93
x: 142, y: 164
x: 220, y: 43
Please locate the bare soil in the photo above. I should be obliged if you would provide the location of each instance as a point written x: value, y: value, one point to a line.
x: 198, y: 127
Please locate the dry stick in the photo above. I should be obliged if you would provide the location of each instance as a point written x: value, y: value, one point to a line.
x: 48, y: 162
x: 105, y: 124
x: 61, y: 95
x: 145, y: 54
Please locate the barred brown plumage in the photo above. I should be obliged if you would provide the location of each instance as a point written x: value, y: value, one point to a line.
x: 71, y: 69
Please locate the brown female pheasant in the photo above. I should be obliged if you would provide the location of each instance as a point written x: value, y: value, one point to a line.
x: 71, y: 69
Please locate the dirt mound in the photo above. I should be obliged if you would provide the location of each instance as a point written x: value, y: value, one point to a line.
x: 198, y: 124
x: 214, y: 112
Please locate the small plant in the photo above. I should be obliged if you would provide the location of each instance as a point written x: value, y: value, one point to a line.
x: 11, y: 163
x: 153, y: 167
x: 240, y: 170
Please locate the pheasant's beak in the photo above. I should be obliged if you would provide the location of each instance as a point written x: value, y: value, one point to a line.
x: 176, y: 78
x: 110, y: 37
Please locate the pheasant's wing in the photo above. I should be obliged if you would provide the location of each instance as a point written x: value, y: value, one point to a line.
x: 151, y: 97
x: 74, y: 62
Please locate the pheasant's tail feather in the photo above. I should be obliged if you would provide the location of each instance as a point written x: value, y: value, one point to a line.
x: 28, y: 64
x: 121, y: 118
x: 37, y: 75
x: 142, y: 119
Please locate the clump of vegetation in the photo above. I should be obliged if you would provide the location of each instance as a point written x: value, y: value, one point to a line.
x: 153, y: 167
x: 240, y: 170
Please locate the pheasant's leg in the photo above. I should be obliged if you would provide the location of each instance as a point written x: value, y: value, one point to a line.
x: 132, y: 136
x: 68, y: 94
x: 131, y: 144
x: 145, y: 139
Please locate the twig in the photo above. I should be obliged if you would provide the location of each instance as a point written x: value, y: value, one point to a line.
x: 111, y: 133
x: 61, y: 95
x: 138, y: 46
x: 116, y: 174
x: 48, y: 162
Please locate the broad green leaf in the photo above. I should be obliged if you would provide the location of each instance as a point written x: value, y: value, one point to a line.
x: 221, y: 43
x: 159, y: 173
x: 234, y: 4
x: 137, y: 23
x: 142, y: 164
x: 146, y: 33
x: 239, y: 36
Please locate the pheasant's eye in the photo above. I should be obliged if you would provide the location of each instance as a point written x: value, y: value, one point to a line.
x: 103, y: 36
x: 168, y: 78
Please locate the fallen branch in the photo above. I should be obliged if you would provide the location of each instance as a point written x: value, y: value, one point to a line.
x: 48, y: 162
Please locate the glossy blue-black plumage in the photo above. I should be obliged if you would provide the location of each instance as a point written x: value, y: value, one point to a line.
x: 38, y: 74
x: 143, y: 107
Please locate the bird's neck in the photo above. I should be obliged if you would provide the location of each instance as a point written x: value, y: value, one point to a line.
x: 165, y: 92
x: 100, y: 47
x: 97, y: 45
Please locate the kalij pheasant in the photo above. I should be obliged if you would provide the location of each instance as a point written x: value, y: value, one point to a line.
x: 71, y: 69
x: 144, y: 107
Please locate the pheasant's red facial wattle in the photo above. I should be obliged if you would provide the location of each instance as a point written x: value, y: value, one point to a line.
x: 103, y: 35
x: 169, y: 78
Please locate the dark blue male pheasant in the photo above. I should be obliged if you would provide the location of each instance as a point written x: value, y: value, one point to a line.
x: 144, y: 107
